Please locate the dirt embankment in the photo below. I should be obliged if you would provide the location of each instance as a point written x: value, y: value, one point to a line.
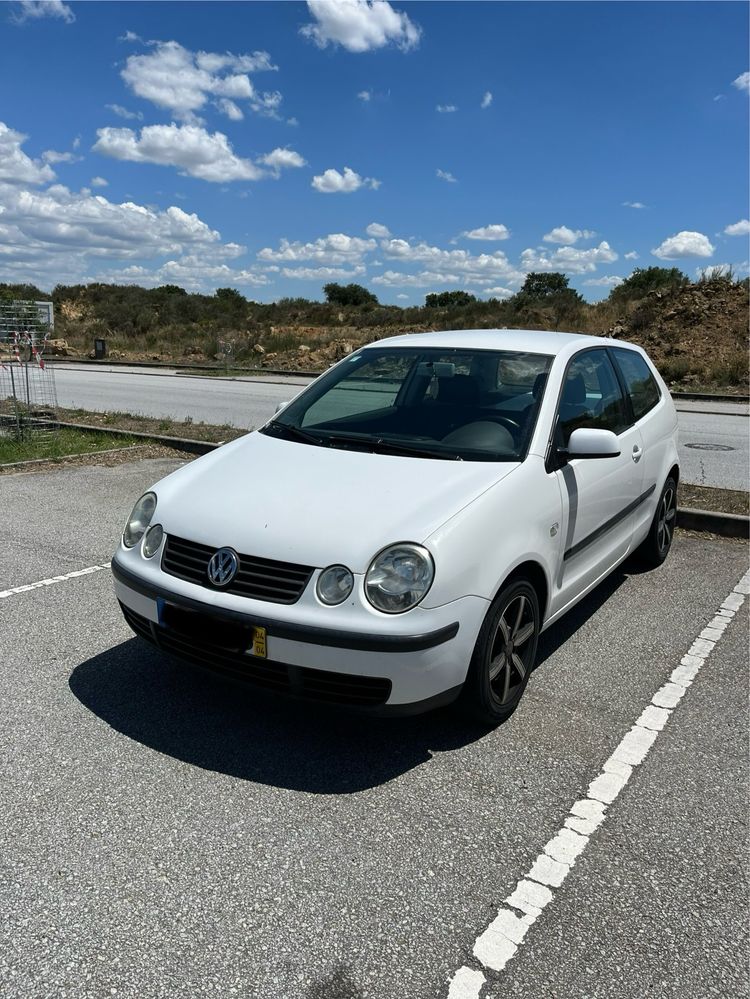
x: 696, y: 336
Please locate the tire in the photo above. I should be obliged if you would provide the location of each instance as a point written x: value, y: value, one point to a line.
x: 654, y: 550
x: 496, y: 679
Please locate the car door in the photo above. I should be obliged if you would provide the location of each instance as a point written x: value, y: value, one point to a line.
x: 599, y: 495
x: 655, y: 419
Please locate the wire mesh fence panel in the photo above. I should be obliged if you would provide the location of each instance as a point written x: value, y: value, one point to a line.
x: 28, y: 396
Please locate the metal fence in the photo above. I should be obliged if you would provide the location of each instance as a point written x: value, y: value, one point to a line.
x: 27, y: 383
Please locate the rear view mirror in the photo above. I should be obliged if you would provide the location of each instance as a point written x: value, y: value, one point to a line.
x: 587, y: 442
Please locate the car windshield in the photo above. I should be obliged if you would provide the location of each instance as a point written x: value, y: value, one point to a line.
x: 469, y: 405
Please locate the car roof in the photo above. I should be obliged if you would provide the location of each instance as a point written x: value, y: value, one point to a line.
x: 532, y: 341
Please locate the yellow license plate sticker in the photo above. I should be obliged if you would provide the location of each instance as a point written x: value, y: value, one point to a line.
x: 258, y: 647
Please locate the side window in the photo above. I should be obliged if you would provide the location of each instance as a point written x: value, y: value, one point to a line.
x: 641, y: 384
x: 591, y: 396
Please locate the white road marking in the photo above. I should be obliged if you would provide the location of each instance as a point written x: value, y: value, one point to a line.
x: 499, y: 943
x: 52, y: 580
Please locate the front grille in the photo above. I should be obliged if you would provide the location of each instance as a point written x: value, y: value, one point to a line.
x: 224, y: 660
x: 259, y: 578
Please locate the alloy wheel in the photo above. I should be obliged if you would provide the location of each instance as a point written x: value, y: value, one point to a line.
x: 511, y: 649
x: 666, y: 519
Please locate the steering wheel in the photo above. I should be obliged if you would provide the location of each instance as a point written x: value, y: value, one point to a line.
x: 505, y: 421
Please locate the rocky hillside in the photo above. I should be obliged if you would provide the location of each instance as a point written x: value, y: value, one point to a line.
x: 695, y: 335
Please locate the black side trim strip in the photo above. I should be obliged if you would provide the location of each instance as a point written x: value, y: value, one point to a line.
x: 607, y: 525
x: 328, y: 637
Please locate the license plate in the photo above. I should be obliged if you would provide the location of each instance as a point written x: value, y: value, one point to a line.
x: 258, y: 644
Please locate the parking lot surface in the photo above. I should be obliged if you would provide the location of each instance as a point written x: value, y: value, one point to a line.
x: 162, y: 835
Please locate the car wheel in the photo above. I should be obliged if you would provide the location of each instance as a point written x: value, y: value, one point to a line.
x: 655, y: 548
x: 504, y: 655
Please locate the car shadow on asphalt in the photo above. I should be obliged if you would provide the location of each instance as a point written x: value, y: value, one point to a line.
x: 175, y: 710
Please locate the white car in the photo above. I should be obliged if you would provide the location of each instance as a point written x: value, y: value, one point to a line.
x: 402, y: 531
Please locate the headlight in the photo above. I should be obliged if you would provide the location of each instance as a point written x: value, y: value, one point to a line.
x: 152, y: 541
x: 399, y: 577
x: 334, y: 584
x: 139, y: 520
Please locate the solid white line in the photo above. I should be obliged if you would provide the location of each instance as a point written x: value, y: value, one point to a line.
x: 52, y: 580
x: 499, y: 943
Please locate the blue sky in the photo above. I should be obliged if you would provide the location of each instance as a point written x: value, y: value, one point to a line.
x: 410, y: 147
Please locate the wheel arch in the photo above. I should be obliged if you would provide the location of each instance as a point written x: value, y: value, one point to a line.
x: 534, y: 572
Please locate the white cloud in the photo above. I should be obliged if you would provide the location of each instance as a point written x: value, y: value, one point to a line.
x: 99, y: 182
x: 741, y: 228
x: 360, y: 25
x: 333, y: 182
x: 488, y: 232
x: 633, y: 204
x: 401, y: 295
x: 172, y: 77
x: 631, y: 256
x: 565, y: 236
x: 53, y: 156
x: 282, y: 159
x: 446, y: 108
x: 15, y: 166
x: 129, y: 36
x: 425, y: 279
x: 498, y: 292
x: 122, y: 112
x: 321, y: 273
x: 229, y: 108
x: 189, y: 148
x: 378, y: 231
x: 742, y: 82
x: 568, y: 258
x: 336, y: 248
x: 684, y: 244
x: 33, y: 10
x: 606, y: 281
x: 365, y: 95
x: 720, y: 97
x: 451, y: 263
x: 486, y: 100
x: 446, y: 175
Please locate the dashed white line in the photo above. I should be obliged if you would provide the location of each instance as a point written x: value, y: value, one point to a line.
x: 52, y: 580
x: 499, y: 943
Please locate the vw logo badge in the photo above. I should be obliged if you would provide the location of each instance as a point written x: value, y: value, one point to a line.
x: 223, y: 566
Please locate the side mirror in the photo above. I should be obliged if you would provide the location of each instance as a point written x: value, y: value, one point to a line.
x: 589, y: 443
x: 280, y: 406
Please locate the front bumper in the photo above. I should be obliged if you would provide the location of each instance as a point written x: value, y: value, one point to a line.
x: 384, y: 671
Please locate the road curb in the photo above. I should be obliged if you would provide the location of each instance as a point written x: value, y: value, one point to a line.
x: 31, y: 462
x: 185, y: 444
x: 728, y: 525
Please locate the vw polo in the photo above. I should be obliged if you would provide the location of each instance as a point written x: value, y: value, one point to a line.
x: 402, y: 531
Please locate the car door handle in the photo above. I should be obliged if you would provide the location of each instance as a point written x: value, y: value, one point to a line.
x: 637, y: 452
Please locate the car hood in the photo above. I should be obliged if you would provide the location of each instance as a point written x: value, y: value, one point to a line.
x: 313, y: 505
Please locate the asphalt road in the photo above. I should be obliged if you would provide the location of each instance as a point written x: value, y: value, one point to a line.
x: 714, y: 444
x: 163, y: 836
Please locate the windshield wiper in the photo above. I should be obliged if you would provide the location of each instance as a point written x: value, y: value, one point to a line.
x: 382, y: 446
x: 289, y: 430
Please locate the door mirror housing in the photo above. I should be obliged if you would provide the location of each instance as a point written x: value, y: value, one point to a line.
x: 280, y: 406
x: 591, y: 443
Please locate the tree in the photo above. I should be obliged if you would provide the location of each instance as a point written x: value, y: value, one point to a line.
x: 348, y: 294
x: 448, y: 299
x: 230, y: 296
x: 538, y: 287
x: 644, y: 280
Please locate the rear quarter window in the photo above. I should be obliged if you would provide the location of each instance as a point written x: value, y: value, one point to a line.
x: 641, y: 385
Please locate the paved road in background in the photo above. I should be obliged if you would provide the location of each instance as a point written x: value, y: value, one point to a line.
x: 714, y: 438
x: 163, y: 836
